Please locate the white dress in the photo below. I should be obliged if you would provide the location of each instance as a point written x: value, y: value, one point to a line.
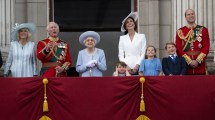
x: 21, y: 60
x: 132, y: 52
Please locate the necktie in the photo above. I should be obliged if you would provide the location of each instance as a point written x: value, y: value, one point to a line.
x: 173, y: 58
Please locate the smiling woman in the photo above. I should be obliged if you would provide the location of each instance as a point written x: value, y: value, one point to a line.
x: 21, y: 61
x: 91, y: 61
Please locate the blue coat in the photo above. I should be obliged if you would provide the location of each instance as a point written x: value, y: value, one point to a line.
x: 84, y: 57
x: 175, y: 68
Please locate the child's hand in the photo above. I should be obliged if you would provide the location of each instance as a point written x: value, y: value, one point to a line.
x: 127, y: 73
x: 136, y: 67
x: 128, y: 68
x: 116, y: 70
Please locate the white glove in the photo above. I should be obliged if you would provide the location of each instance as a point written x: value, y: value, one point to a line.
x: 94, y: 61
x: 90, y: 64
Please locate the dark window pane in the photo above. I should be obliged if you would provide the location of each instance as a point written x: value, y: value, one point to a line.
x: 99, y: 15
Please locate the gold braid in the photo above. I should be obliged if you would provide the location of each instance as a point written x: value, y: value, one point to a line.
x: 189, y: 37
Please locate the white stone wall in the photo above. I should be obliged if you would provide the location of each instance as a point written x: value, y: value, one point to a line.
x: 149, y: 21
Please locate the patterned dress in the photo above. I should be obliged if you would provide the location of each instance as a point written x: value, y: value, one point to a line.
x: 21, y: 60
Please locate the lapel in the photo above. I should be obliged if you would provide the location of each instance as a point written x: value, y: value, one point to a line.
x: 170, y: 59
x: 135, y: 38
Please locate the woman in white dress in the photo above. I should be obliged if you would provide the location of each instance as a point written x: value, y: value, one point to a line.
x: 21, y: 61
x: 132, y: 45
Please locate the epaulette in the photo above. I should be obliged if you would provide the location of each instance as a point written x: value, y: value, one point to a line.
x: 182, y: 28
x: 45, y: 40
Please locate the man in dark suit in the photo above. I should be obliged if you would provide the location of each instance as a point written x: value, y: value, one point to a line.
x: 173, y: 64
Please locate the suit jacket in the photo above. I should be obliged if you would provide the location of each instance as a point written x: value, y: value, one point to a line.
x: 132, y: 52
x: 175, y: 68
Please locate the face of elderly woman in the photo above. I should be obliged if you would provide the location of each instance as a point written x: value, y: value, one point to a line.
x: 89, y: 42
x: 23, y: 33
x: 53, y: 29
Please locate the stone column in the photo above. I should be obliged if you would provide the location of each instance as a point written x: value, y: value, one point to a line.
x: 149, y: 21
x: 6, y: 22
x: 37, y: 13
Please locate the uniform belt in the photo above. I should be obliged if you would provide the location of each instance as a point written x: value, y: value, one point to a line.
x: 193, y: 52
x: 51, y: 64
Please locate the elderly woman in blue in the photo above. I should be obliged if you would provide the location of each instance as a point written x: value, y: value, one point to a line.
x: 91, y: 60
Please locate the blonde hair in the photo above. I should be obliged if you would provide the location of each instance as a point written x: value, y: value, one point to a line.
x: 29, y: 33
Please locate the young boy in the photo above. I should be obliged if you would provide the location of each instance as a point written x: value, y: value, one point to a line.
x: 173, y: 65
x: 121, y: 69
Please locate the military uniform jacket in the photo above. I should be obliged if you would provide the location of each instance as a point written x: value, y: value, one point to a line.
x: 58, y: 56
x: 193, y: 43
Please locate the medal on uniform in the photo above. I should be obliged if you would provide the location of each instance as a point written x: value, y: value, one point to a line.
x: 198, y: 37
x: 61, y: 45
x: 200, y: 45
x: 61, y: 57
x: 63, y: 53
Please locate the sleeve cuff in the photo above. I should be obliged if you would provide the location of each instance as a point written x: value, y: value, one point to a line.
x: 65, y: 66
x: 187, y: 59
x: 200, y: 57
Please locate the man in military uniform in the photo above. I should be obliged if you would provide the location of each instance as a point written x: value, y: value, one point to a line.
x: 53, y: 53
x: 193, y: 43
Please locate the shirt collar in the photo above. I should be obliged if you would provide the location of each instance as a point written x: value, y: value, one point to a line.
x: 174, y: 55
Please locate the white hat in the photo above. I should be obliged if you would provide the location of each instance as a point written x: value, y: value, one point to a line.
x: 30, y: 26
x: 134, y: 15
x: 93, y: 34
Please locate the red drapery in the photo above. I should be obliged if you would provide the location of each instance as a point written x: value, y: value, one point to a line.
x: 109, y: 98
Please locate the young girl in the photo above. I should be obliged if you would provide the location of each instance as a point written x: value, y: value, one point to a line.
x: 151, y: 65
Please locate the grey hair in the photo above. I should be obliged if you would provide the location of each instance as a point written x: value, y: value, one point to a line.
x: 47, y: 28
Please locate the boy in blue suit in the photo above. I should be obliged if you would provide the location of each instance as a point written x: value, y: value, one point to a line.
x: 173, y: 64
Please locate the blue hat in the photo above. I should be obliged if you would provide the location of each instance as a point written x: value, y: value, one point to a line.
x: 93, y: 34
x: 134, y: 15
x: 30, y: 26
